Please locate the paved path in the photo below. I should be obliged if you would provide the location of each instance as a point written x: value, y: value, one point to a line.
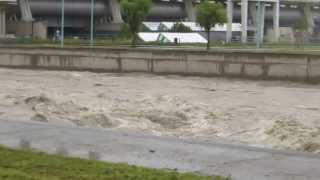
x: 241, y: 162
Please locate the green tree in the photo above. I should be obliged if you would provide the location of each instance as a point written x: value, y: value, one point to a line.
x: 209, y: 14
x: 125, y: 32
x: 179, y: 27
x: 135, y: 11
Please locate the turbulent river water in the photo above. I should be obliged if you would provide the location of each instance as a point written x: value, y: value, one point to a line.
x: 273, y: 114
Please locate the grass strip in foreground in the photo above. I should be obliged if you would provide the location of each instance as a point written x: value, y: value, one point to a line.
x: 28, y: 165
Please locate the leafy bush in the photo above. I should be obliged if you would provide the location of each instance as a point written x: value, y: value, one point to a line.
x: 180, y: 27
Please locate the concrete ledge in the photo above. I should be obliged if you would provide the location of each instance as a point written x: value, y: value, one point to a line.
x: 303, y: 65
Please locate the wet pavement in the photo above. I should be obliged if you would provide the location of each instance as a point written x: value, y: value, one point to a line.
x: 239, y: 161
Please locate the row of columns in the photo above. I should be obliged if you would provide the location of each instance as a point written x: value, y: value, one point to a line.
x: 258, y: 20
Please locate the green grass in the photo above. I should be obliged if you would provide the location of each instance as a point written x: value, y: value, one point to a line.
x: 27, y: 165
x: 117, y: 41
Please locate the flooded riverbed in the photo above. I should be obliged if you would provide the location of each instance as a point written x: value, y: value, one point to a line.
x: 265, y: 113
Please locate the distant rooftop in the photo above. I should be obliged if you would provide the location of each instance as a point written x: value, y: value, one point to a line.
x: 169, y: 37
x: 195, y: 27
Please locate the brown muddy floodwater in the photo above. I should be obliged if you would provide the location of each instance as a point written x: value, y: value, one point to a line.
x: 274, y: 114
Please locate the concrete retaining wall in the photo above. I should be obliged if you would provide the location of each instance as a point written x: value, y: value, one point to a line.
x: 235, y: 63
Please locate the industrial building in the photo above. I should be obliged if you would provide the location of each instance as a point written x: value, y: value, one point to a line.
x: 41, y: 18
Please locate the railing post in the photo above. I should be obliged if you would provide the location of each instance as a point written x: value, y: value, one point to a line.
x: 92, y: 23
x: 62, y: 23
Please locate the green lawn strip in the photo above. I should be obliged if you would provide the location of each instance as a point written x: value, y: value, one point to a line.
x: 114, y: 42
x: 27, y: 165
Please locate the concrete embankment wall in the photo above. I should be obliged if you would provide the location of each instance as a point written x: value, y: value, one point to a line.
x: 233, y: 63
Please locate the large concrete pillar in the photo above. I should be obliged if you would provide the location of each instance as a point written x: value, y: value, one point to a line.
x: 190, y: 9
x: 307, y: 11
x: 25, y: 9
x: 116, y: 11
x: 276, y: 21
x: 244, y: 20
x: 261, y: 22
x: 2, y: 22
x: 253, y: 13
x: 230, y: 20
